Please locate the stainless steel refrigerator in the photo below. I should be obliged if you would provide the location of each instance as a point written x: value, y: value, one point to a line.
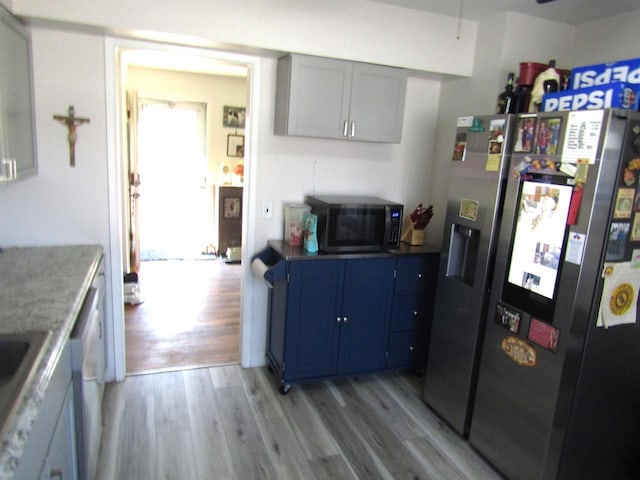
x: 476, y: 190
x: 558, y: 390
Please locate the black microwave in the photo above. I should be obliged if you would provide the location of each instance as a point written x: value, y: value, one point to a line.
x: 356, y: 223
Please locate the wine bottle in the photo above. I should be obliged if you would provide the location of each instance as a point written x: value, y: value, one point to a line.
x: 508, y: 100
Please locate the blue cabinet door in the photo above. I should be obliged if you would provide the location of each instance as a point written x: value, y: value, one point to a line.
x: 312, y: 328
x: 366, y: 309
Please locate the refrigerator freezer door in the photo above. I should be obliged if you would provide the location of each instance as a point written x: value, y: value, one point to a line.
x: 473, y: 206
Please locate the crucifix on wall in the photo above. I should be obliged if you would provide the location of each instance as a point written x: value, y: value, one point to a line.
x: 71, y: 121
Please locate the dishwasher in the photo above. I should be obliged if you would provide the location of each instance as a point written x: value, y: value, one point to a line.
x: 88, y: 366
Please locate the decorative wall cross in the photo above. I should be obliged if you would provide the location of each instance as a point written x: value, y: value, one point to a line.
x: 71, y: 121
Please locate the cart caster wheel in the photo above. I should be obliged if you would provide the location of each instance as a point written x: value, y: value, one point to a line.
x: 284, y: 389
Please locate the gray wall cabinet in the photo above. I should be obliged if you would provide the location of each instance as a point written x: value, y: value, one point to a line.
x: 329, y: 98
x: 17, y: 138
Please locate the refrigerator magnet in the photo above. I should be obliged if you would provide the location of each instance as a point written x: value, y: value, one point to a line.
x: 464, y: 122
x: 635, y: 229
x: 568, y: 169
x: 575, y: 248
x: 624, y: 203
x: 493, y: 163
x: 477, y: 125
x: 468, y: 209
x: 582, y: 170
x: 523, y: 167
x: 460, y: 147
x: 544, y: 335
x: 525, y: 135
x: 548, y: 135
x: 496, y: 137
x: 618, y: 239
x: 519, y: 351
x: 508, y: 318
x: 496, y: 143
x: 574, y: 205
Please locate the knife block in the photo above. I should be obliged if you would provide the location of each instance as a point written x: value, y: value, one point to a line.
x: 412, y: 236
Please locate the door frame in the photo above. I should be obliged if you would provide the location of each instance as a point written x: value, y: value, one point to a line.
x: 116, y: 251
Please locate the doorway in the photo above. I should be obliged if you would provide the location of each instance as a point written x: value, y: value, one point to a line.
x: 189, y: 311
x: 175, y: 206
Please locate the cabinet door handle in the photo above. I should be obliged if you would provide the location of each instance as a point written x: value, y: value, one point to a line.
x: 338, y: 319
x: 419, y: 275
x: 415, y: 313
x: 344, y: 319
x: 345, y: 128
x: 353, y: 129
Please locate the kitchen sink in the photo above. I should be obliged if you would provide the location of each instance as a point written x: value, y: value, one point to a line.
x: 19, y: 356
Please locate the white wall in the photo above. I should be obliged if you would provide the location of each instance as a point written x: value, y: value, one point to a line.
x: 503, y: 42
x: 353, y: 30
x: 214, y: 90
x: 608, y: 40
x: 63, y: 205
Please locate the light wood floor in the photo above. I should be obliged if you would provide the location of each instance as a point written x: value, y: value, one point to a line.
x: 231, y: 423
x: 190, y: 316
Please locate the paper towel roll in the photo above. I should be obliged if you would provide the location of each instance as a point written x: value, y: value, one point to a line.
x: 260, y: 270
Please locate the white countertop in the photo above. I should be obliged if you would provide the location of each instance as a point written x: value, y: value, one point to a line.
x: 41, y: 288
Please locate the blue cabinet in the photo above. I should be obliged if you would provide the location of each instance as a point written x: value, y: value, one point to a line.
x: 332, y: 315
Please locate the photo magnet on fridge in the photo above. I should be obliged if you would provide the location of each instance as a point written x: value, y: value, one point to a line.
x: 508, y: 318
x: 624, y: 203
x: 460, y: 147
x: 548, y: 136
x: 525, y: 135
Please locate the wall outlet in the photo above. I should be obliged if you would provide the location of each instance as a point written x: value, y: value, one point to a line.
x: 267, y: 210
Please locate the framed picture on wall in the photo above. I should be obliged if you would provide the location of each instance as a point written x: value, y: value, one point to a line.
x: 235, y: 145
x: 233, y: 116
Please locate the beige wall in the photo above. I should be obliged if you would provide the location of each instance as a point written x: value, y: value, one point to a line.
x: 214, y: 90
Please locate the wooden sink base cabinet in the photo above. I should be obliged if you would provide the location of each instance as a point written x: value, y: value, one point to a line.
x: 334, y: 315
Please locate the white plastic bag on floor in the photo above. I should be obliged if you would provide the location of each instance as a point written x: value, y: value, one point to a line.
x: 132, y: 294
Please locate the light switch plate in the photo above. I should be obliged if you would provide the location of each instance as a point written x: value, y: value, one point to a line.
x: 267, y: 210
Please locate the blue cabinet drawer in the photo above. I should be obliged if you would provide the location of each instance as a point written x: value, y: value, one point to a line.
x: 416, y: 274
x: 408, y: 349
x: 411, y: 312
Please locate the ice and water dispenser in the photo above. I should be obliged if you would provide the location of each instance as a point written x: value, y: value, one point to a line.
x: 463, y: 253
